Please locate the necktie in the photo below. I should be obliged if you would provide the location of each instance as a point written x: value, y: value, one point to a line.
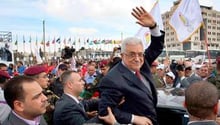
x: 138, y: 74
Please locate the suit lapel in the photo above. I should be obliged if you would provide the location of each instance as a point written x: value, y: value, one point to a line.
x: 71, y: 100
x: 127, y: 74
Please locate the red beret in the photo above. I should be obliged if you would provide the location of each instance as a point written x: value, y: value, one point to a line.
x: 4, y: 74
x: 34, y: 70
x: 103, y: 63
x: 218, y: 60
x: 154, y: 63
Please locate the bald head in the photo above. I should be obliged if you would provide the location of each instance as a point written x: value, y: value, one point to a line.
x: 201, y: 99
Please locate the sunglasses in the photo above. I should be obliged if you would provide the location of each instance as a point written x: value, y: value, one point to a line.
x: 188, y: 68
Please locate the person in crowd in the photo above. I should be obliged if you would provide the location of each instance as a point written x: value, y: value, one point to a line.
x: 190, y: 74
x: 3, y: 67
x: 57, y: 86
x: 204, y: 72
x: 131, y: 78
x: 39, y: 73
x: 11, y: 69
x: 92, y: 90
x: 27, y: 101
x: 91, y: 74
x: 92, y: 62
x: 181, y: 81
x: 215, y: 80
x: 201, y: 102
x: 89, y: 78
x: 160, y: 74
x: 69, y: 109
x: 20, y: 68
x: 4, y: 108
x: 158, y: 82
x: 169, y: 80
x: 114, y: 61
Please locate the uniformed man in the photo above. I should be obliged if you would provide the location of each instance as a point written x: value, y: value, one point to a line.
x: 39, y: 73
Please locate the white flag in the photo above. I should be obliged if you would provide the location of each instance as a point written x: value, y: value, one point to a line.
x: 144, y: 32
x: 37, y: 55
x: 186, y: 19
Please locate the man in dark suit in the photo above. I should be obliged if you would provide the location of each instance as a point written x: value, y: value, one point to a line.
x: 190, y: 74
x: 68, y: 109
x: 201, y: 101
x: 27, y: 101
x: 121, y: 82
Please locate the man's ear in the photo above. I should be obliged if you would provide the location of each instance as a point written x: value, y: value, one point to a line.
x: 18, y: 106
x: 216, y: 107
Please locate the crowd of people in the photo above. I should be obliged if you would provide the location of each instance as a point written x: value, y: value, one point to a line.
x: 120, y: 90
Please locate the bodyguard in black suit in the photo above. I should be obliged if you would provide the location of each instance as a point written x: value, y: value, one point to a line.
x: 139, y: 94
x: 68, y: 109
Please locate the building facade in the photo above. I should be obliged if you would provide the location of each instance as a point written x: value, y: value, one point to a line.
x: 211, y: 30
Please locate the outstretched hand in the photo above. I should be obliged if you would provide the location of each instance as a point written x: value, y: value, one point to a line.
x: 143, y: 17
x: 110, y: 118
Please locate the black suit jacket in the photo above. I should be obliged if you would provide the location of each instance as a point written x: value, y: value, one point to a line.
x: 121, y: 82
x: 14, y: 120
x: 203, y: 123
x: 68, y: 111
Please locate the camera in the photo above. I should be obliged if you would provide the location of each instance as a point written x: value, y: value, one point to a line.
x: 67, y: 52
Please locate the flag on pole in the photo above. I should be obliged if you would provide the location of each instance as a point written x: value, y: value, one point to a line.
x: 69, y: 40
x: 23, y: 39
x: 58, y: 40
x: 36, y: 41
x: 30, y: 40
x: 186, y: 19
x: 144, y: 32
x: 53, y: 42
x: 37, y: 55
x: 48, y: 43
x: 64, y: 41
x: 16, y: 42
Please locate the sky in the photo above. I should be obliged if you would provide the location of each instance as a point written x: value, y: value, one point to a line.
x: 94, y: 19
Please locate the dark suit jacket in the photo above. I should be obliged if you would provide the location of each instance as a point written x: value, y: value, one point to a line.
x: 203, y: 123
x: 14, y: 120
x: 121, y: 82
x: 184, y: 83
x: 68, y: 111
x: 193, y: 78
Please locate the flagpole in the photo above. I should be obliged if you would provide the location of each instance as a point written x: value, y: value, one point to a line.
x: 121, y: 36
x: 167, y: 54
x: 54, y: 47
x: 30, y: 46
x: 17, y: 42
x: 44, y: 40
x: 23, y: 44
x: 206, y: 44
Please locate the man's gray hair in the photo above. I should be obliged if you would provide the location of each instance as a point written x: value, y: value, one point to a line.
x: 130, y: 41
